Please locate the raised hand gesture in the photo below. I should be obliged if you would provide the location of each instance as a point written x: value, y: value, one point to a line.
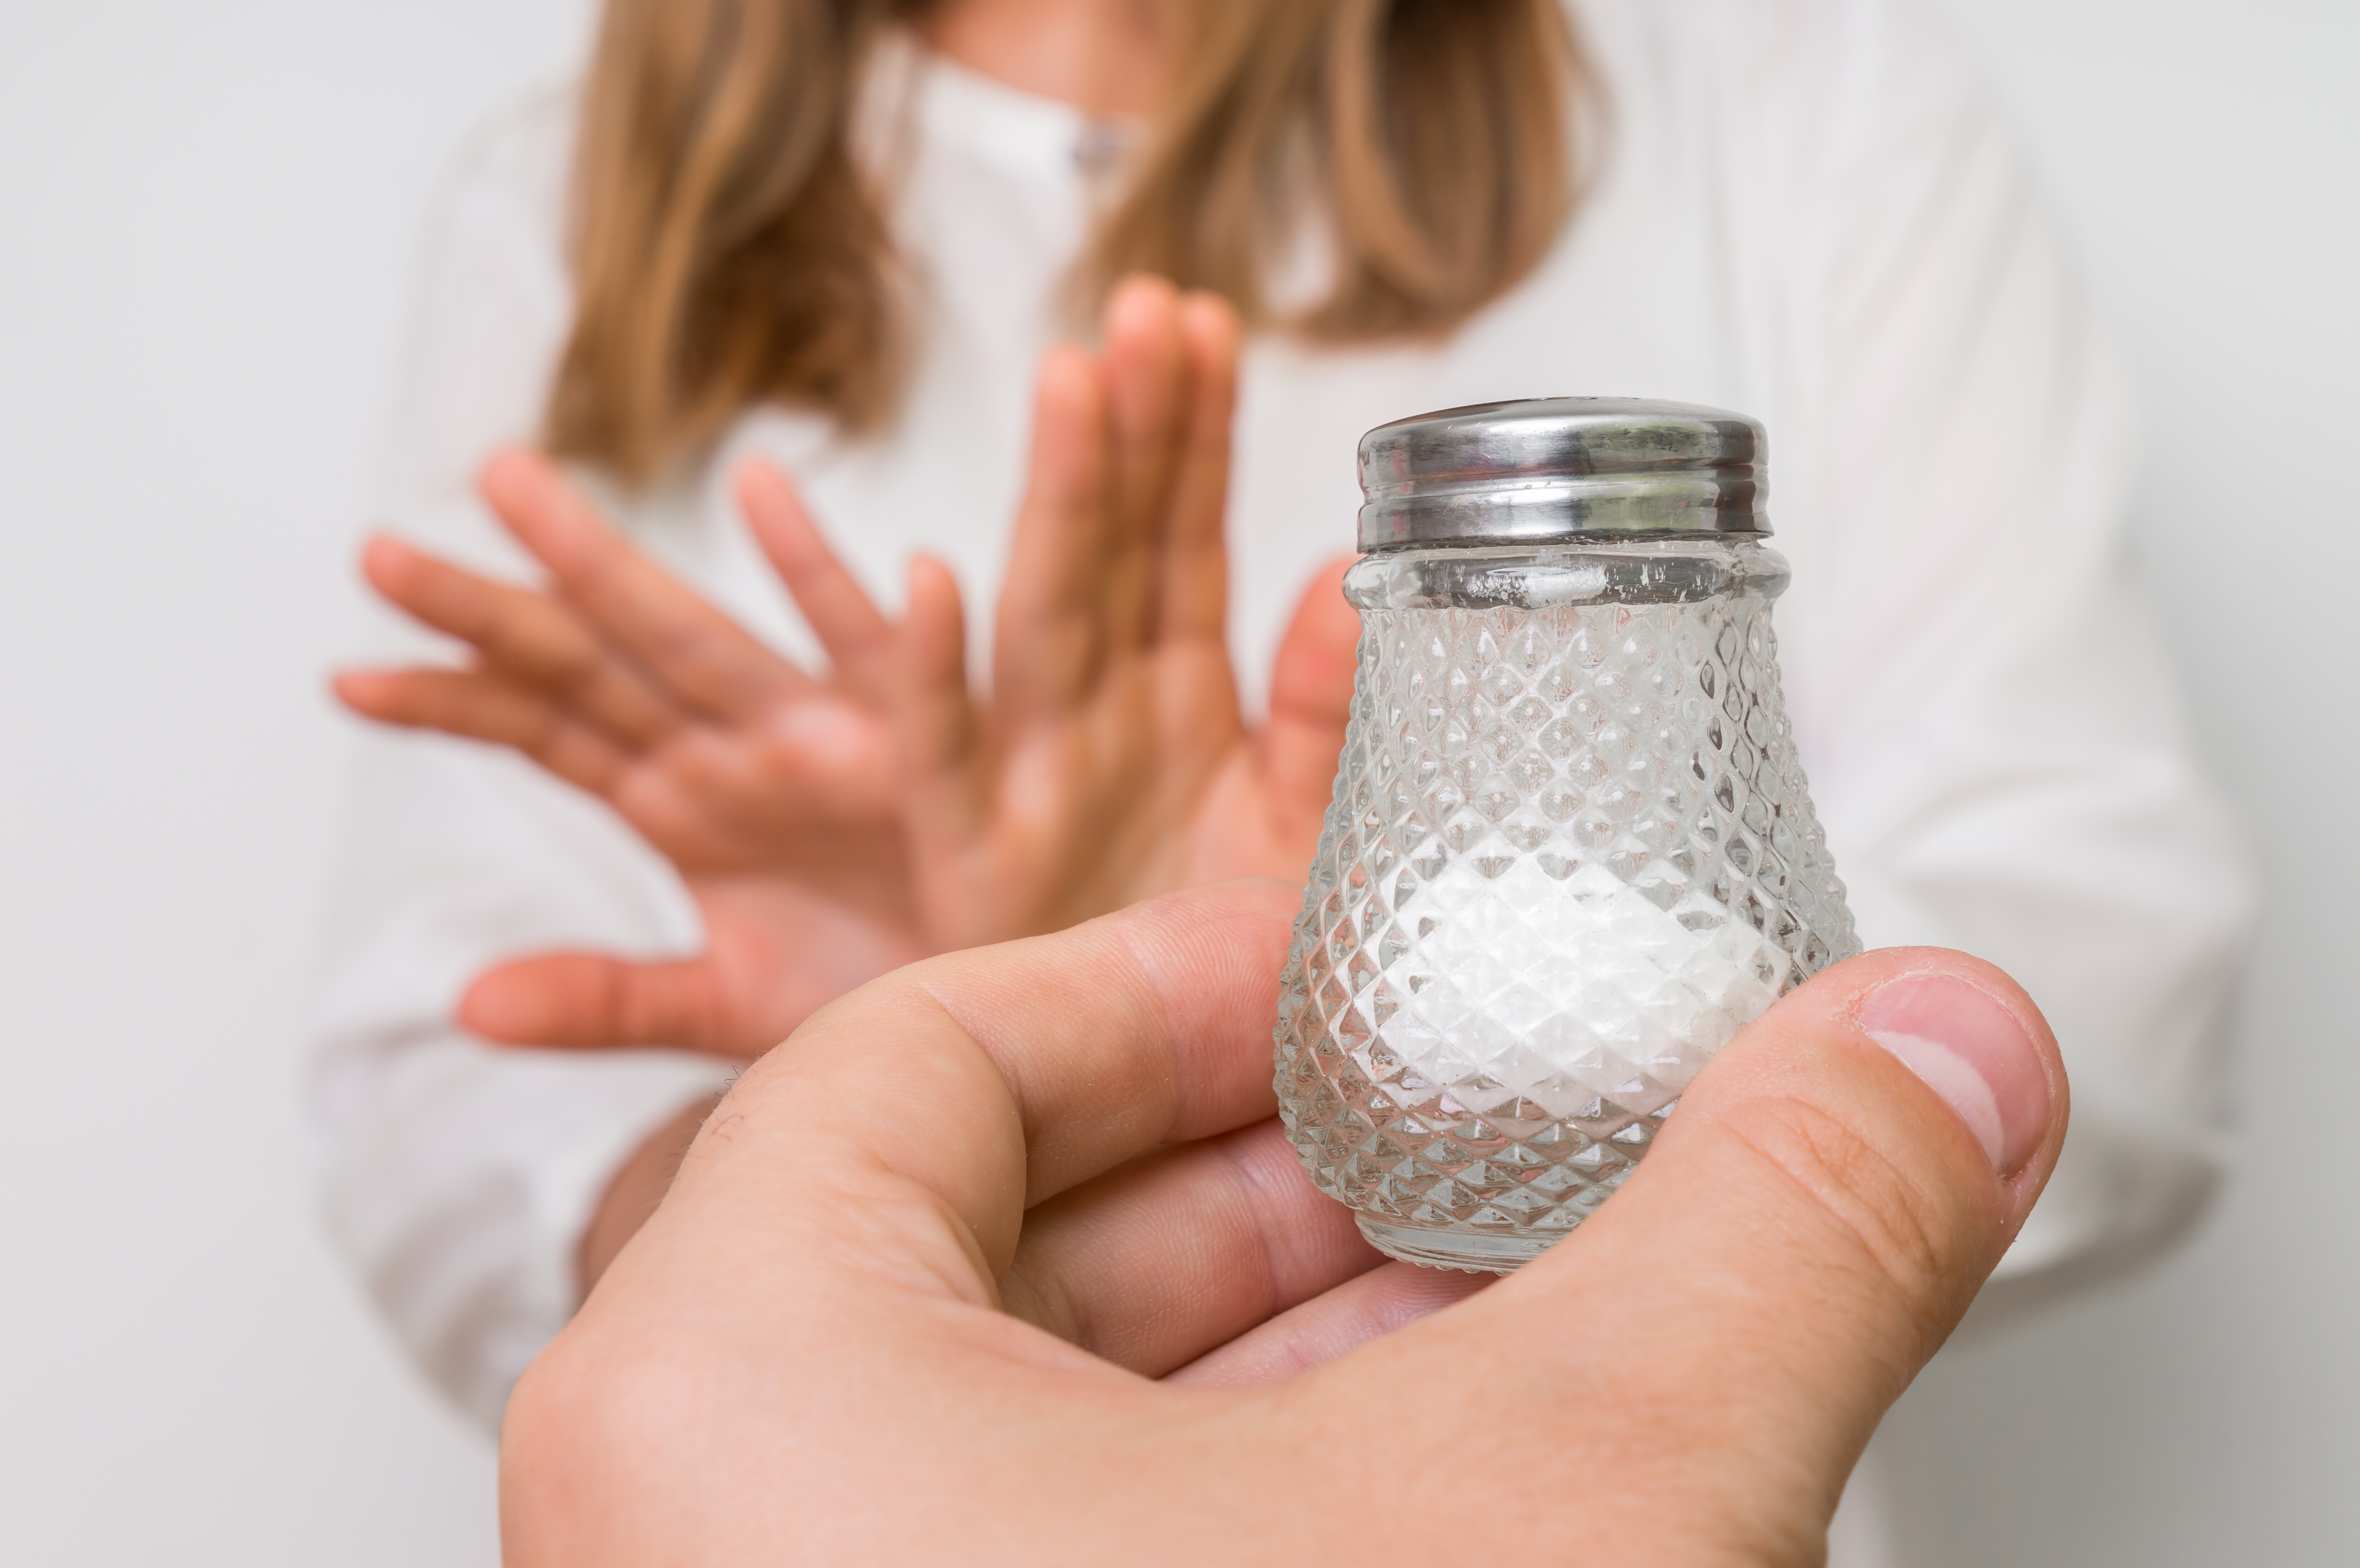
x: 832, y: 826
x: 770, y: 790
x: 625, y: 683
x: 1112, y: 761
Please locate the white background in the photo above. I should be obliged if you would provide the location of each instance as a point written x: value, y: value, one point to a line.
x: 205, y: 216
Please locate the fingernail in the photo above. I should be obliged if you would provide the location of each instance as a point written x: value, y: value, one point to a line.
x: 1970, y: 1050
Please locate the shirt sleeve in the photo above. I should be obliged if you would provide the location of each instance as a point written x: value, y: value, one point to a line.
x: 459, y: 1176
x: 1994, y: 731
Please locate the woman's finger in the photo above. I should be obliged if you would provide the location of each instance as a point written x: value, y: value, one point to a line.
x: 526, y: 636
x: 1311, y: 696
x: 1148, y: 403
x: 591, y: 1000
x: 1049, y: 639
x: 514, y: 627
x: 1194, y: 589
x: 477, y: 706
x: 703, y: 658
x: 775, y: 953
x: 1156, y: 1263
x: 938, y: 738
x: 856, y: 634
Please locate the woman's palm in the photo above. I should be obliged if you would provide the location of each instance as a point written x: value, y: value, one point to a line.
x: 832, y: 827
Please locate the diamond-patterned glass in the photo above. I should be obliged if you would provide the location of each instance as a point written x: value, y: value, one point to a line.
x: 1569, y: 855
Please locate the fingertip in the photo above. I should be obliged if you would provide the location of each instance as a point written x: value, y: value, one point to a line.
x: 397, y: 572
x: 1146, y: 342
x: 1211, y: 336
x: 773, y: 509
x: 1822, y: 1198
x: 535, y: 502
x: 382, y: 555
x: 1142, y: 304
x: 510, y: 475
x: 496, y: 1008
x: 359, y: 683
x: 573, y: 1000
x: 932, y: 580
x: 353, y: 689
x: 747, y: 483
x: 1974, y: 1037
x: 384, y: 566
x: 1070, y: 379
x: 762, y: 487
x: 1978, y: 1114
x: 1211, y: 324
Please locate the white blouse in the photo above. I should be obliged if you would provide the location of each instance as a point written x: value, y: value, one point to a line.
x: 1807, y: 210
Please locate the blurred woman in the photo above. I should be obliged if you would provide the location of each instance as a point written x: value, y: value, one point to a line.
x: 841, y: 241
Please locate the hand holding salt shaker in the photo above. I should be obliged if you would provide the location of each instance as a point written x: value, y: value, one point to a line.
x: 1571, y: 851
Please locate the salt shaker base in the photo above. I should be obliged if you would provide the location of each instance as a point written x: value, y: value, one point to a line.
x: 1476, y: 1252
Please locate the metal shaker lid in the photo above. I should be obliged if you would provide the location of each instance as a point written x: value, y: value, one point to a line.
x: 1553, y: 468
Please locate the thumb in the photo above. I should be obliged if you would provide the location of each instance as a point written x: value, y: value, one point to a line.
x: 1889, y: 1124
x: 1311, y: 691
x: 593, y: 1000
x: 939, y: 736
x: 1810, y: 1225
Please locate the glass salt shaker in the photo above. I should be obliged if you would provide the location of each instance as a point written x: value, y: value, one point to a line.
x: 1571, y: 851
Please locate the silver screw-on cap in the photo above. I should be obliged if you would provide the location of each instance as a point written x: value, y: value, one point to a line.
x: 1550, y: 468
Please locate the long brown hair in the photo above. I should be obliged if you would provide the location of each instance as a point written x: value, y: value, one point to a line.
x: 729, y: 251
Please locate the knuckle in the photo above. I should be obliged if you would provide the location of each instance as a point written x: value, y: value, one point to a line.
x: 571, y: 1423
x: 541, y: 733
x: 544, y: 1409
x: 553, y: 1423
x: 552, y: 645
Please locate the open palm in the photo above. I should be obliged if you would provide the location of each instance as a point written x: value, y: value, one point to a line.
x: 834, y: 826
x: 624, y: 682
x: 1111, y: 761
